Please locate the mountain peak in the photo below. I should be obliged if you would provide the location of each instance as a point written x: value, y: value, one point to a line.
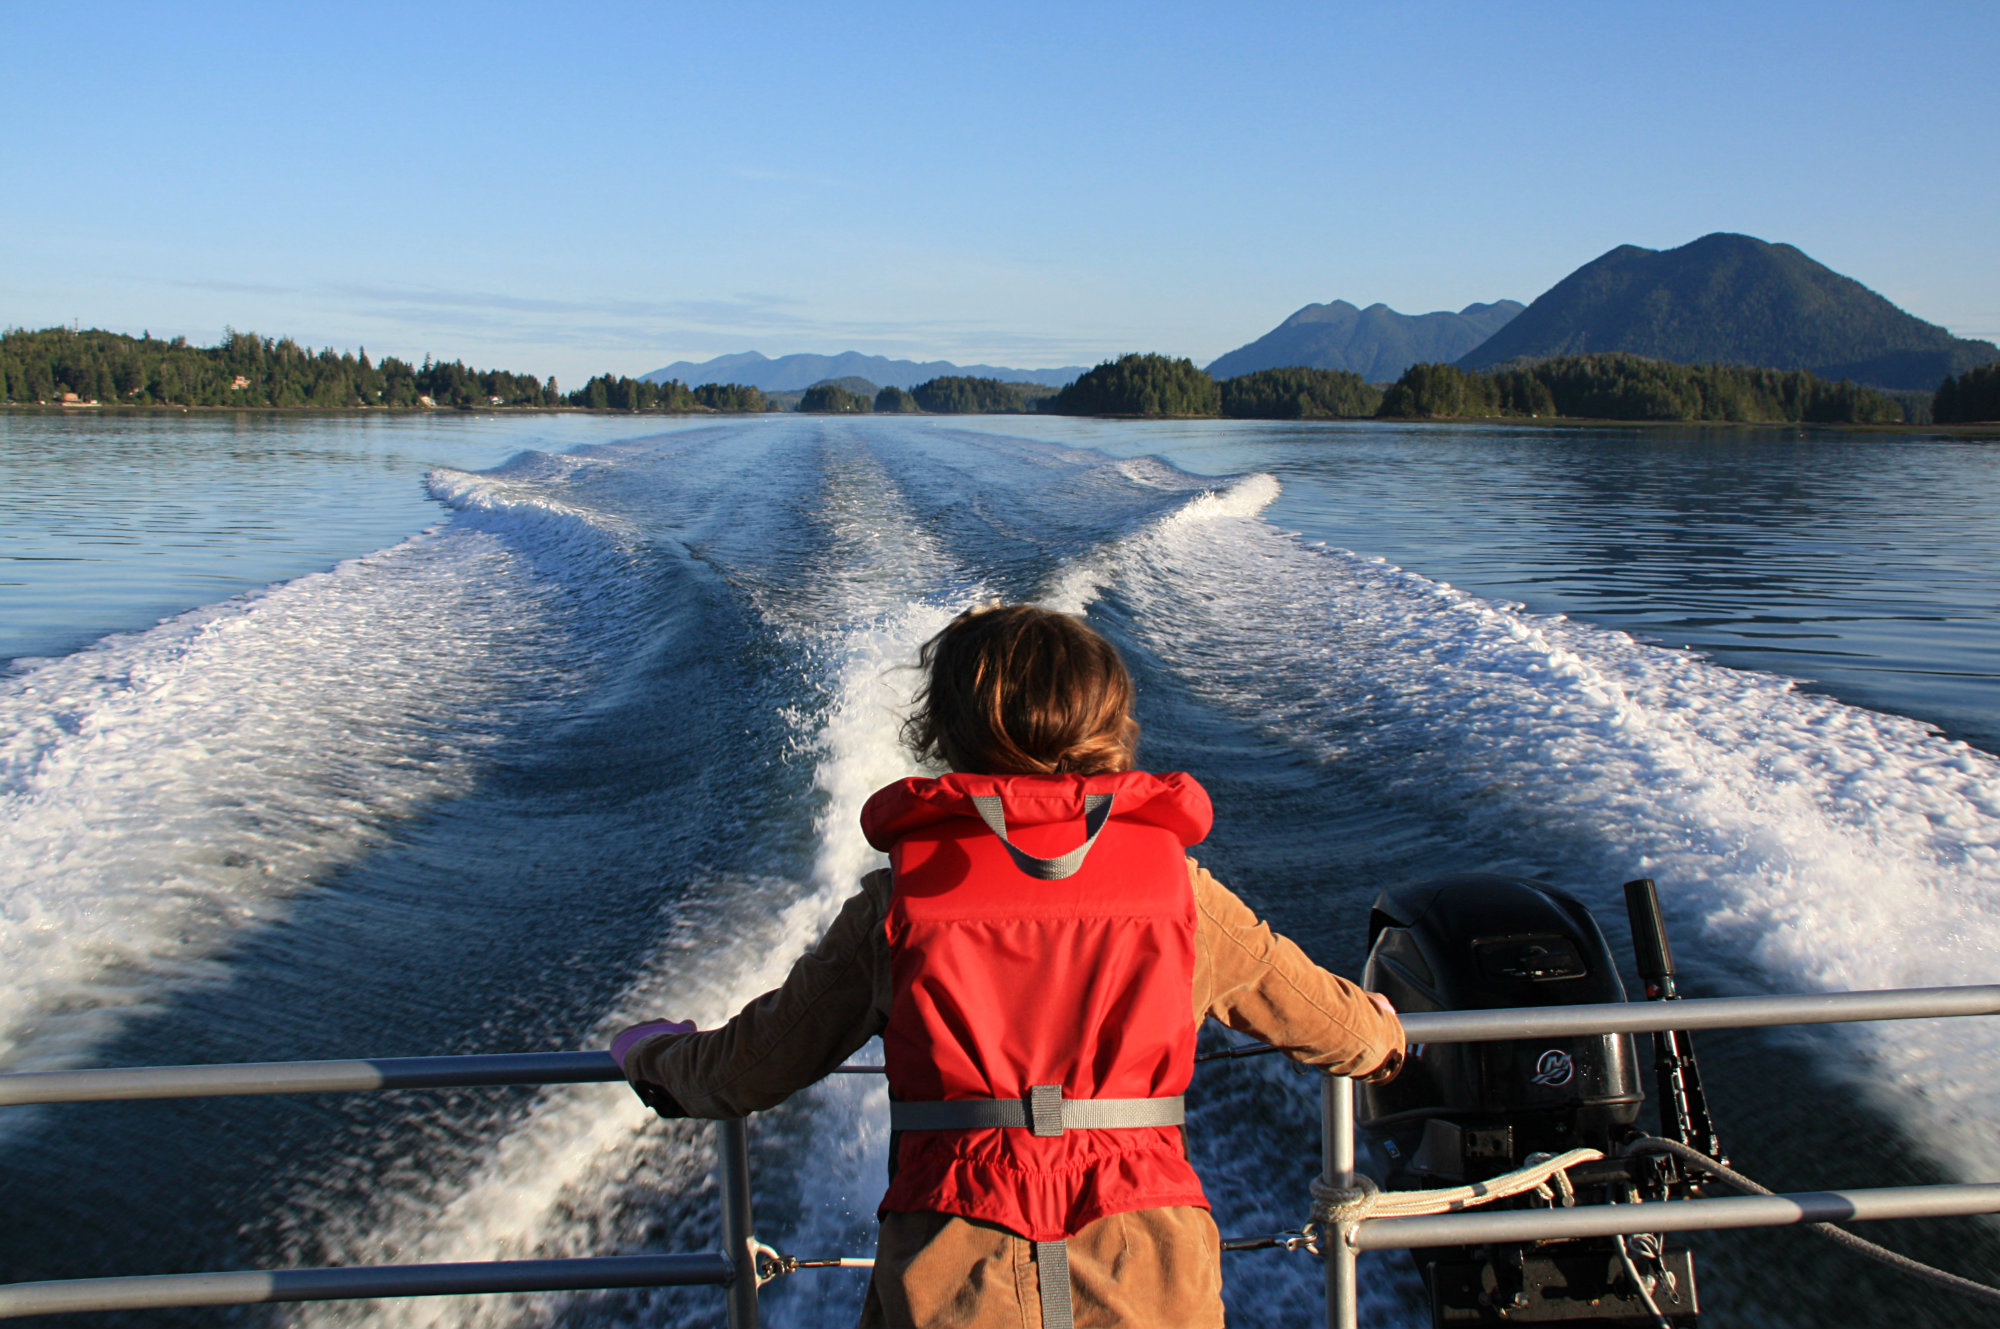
x: 1377, y: 342
x: 1334, y: 311
x: 1732, y: 299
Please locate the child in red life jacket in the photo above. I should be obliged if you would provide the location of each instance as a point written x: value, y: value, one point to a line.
x: 1037, y: 958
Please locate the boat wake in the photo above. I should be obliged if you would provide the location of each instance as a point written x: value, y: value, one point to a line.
x: 165, y: 791
x: 709, y: 635
x: 1830, y: 847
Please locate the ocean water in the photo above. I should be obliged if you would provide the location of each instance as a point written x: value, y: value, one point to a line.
x: 480, y: 735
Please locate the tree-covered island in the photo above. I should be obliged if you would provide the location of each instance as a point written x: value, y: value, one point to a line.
x: 1573, y: 387
x: 1631, y: 387
x: 68, y: 367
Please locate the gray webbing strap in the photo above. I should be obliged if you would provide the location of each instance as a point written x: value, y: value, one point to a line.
x: 1052, y: 1276
x: 1096, y: 811
x: 1046, y: 1112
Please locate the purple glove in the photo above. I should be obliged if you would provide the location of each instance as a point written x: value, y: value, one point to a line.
x: 639, y: 1033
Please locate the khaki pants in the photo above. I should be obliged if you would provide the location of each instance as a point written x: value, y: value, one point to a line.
x: 1152, y: 1269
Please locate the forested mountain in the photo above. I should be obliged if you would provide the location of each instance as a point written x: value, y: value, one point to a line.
x: 1377, y: 342
x: 1732, y: 299
x: 789, y: 373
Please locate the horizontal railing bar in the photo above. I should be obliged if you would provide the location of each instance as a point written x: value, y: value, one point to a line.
x: 307, y: 1077
x: 1642, y: 1017
x: 522, y: 1068
x: 1735, y: 1211
x: 345, y: 1284
x: 1638, y: 1017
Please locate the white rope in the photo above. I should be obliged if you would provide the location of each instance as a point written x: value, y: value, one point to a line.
x: 1342, y: 1207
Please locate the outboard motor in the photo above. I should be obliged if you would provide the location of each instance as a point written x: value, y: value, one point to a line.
x: 1466, y: 1112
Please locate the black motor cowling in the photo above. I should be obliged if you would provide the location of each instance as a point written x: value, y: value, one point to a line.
x: 1467, y: 1111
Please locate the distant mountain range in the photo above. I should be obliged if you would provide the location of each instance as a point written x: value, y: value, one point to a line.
x: 1722, y: 299
x: 1377, y: 342
x: 792, y: 372
x: 1733, y: 299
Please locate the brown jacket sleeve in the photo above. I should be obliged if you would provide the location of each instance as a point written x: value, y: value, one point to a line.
x: 835, y: 999
x: 1262, y: 984
x: 838, y: 995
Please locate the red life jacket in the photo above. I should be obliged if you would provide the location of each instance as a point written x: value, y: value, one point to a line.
x: 1004, y: 982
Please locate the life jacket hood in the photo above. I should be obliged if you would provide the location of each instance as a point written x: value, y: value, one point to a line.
x: 1004, y: 980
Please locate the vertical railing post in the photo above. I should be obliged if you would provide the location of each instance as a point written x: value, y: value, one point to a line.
x: 1336, y: 1150
x: 732, y: 1177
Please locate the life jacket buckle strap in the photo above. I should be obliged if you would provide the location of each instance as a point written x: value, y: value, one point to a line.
x: 1045, y: 1112
x: 1045, y: 1109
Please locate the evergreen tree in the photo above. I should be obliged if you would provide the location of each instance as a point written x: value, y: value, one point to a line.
x: 1968, y: 397
x: 1631, y: 387
x: 1432, y: 390
x: 242, y: 369
x: 607, y: 392
x: 956, y: 394
x: 832, y: 399
x: 1143, y: 385
x: 731, y: 397
x: 1298, y: 394
x: 893, y: 400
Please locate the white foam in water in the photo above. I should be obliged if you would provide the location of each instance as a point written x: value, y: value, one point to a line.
x: 517, y: 497
x: 545, y: 1187
x: 1076, y: 585
x: 1833, y: 847
x: 164, y: 790
x: 542, y: 1189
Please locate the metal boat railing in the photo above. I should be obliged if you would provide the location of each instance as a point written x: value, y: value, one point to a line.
x: 735, y: 1267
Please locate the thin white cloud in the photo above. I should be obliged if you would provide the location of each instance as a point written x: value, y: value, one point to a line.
x: 584, y: 334
x: 235, y: 287
x: 685, y: 328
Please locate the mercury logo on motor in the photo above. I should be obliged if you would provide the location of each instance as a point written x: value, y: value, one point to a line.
x: 1555, y: 1067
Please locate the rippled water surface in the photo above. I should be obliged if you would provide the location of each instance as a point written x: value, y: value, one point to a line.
x: 575, y: 729
x: 110, y: 522
x: 1866, y: 565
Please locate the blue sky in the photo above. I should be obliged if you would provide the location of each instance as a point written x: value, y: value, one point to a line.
x: 577, y: 188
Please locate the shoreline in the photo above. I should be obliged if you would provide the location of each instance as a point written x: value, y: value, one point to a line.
x: 1979, y: 429
x: 115, y: 408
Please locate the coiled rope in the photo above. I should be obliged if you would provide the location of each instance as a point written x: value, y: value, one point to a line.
x: 1839, y: 1235
x: 1344, y: 1206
